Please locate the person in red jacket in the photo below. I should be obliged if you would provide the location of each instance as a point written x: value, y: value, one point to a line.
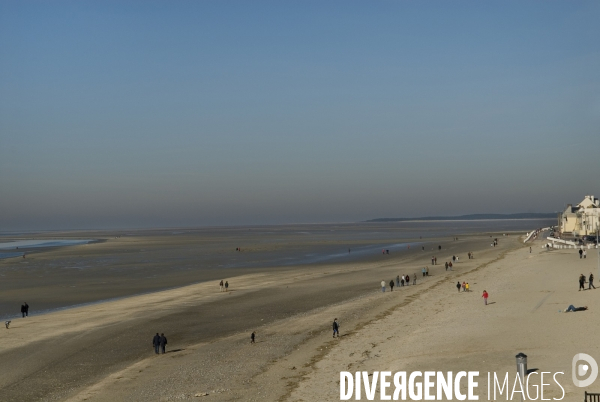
x: 485, y: 296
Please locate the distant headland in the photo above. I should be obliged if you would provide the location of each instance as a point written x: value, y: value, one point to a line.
x: 549, y: 215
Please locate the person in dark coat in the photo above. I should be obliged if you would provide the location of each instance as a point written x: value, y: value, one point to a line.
x: 156, y: 343
x: 458, y: 286
x: 252, y: 337
x: 163, y: 342
x: 26, y: 309
x: 336, y: 328
x: 23, y: 310
x: 392, y: 285
x: 581, y: 282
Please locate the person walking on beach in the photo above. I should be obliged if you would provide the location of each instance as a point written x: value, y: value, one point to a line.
x: 398, y: 281
x: 458, y: 286
x: 407, y: 280
x: 226, y: 286
x: 156, y: 343
x: 383, y: 286
x: 221, y: 285
x: 464, y: 286
x: 26, y: 309
x: 485, y: 297
x: 584, y: 254
x: 446, y: 265
x: 581, y: 282
x: 580, y: 253
x: 336, y: 328
x: 392, y: 285
x: 23, y: 310
x: 402, y: 281
x: 252, y: 337
x: 591, y: 280
x: 163, y: 342
x: 423, y: 271
x: 450, y: 265
x: 467, y: 287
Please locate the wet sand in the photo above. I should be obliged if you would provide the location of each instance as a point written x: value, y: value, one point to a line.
x: 126, y: 263
x: 104, y: 351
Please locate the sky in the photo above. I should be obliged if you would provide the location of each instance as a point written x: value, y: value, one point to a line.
x: 138, y: 114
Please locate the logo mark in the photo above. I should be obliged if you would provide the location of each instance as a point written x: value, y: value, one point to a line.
x: 581, y: 369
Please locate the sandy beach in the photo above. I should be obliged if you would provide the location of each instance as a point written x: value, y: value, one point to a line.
x: 103, y: 351
x: 248, y: 178
x: 119, y: 264
x: 450, y: 331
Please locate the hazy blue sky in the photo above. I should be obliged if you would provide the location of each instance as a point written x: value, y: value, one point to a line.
x: 142, y: 113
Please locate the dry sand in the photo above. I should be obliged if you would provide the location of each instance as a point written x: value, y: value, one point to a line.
x: 103, y: 352
x: 450, y: 331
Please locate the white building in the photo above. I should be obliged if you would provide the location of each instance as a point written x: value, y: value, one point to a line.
x: 582, y: 219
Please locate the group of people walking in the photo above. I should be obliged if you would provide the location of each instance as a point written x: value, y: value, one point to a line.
x: 590, y: 282
x: 464, y: 286
x: 224, y: 287
x: 582, y: 253
x: 403, y: 280
x: 159, y: 342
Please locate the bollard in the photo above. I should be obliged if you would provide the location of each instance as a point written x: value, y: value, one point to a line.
x: 522, y: 366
